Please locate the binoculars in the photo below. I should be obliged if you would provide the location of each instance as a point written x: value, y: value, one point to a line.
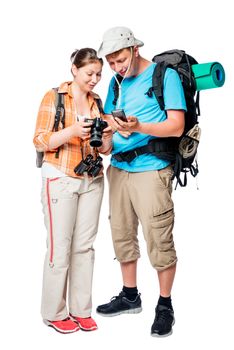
x: 89, y: 165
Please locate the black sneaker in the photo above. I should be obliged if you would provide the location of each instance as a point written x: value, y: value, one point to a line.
x: 163, y: 322
x: 120, y: 305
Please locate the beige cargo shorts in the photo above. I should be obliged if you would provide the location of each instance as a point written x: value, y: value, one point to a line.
x: 144, y: 197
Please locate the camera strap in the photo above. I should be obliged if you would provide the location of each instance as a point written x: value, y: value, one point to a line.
x: 93, y: 150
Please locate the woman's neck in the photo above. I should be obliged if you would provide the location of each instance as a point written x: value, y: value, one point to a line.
x: 80, y: 100
x: 77, y: 92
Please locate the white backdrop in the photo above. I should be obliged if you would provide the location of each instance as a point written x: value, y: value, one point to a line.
x: 37, y: 38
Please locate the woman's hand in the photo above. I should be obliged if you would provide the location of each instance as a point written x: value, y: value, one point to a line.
x: 107, y: 133
x: 81, y: 129
x: 106, y: 140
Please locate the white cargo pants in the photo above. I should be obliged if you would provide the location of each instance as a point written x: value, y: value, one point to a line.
x: 71, y: 212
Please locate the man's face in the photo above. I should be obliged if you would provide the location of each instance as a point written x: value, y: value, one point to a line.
x: 120, y: 61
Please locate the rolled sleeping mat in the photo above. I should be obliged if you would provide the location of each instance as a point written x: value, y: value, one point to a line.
x: 208, y: 75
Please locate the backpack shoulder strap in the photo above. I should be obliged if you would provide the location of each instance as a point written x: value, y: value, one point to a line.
x: 116, y: 88
x: 99, y: 105
x: 157, y: 83
x: 60, y: 109
x: 59, y: 114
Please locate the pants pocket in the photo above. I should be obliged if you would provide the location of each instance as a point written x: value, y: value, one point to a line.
x: 164, y: 177
x: 162, y: 227
x: 161, y: 245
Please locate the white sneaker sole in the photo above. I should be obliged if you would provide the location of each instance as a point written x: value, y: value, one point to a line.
x: 49, y: 324
x: 83, y: 328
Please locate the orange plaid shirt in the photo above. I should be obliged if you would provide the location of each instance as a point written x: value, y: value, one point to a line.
x: 70, y: 154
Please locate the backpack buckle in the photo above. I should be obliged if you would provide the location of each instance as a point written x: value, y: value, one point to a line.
x: 125, y: 156
x: 118, y: 157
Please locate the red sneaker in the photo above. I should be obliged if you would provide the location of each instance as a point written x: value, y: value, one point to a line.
x: 86, y: 324
x: 63, y: 326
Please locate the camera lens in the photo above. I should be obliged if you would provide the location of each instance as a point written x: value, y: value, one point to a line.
x: 96, y: 138
x: 96, y: 132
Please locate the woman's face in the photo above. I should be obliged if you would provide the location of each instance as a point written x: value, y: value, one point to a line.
x: 87, y: 76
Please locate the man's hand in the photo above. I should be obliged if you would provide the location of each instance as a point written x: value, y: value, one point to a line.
x: 128, y: 127
x: 111, y: 121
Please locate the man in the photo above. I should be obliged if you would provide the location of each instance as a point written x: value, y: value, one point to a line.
x: 140, y: 189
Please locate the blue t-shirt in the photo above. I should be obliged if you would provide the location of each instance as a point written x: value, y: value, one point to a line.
x: 135, y: 102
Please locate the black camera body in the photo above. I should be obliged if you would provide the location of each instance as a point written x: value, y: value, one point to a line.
x: 96, y: 131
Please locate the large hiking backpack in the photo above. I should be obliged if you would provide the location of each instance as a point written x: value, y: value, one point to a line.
x: 180, y: 151
x: 60, y: 117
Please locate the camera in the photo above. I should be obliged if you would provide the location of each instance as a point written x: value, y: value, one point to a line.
x: 96, y: 131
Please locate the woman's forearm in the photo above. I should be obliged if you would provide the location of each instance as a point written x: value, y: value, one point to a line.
x: 58, y: 138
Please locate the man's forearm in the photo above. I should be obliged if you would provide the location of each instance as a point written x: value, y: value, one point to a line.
x: 166, y: 128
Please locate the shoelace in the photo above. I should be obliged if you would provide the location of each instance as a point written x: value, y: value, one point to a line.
x: 118, y: 297
x: 162, y: 315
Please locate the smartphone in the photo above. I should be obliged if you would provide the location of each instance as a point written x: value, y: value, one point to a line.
x: 119, y: 113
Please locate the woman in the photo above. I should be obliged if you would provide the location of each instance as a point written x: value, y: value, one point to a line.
x: 71, y: 200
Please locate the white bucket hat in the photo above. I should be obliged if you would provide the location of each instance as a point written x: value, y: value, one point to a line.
x: 117, y: 38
